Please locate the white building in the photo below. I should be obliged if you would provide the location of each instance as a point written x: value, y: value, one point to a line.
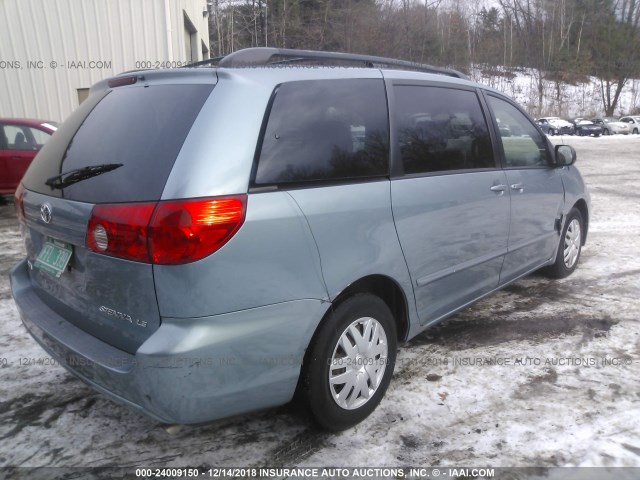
x: 52, y: 51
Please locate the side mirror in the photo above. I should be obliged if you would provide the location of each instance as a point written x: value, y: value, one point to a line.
x: 565, y: 155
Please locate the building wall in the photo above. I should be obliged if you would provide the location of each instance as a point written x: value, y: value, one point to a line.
x: 51, y: 49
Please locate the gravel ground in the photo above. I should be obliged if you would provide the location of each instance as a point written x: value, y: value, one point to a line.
x: 545, y: 373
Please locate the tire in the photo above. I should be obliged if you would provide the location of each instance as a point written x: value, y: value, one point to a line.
x: 552, y: 132
x: 605, y: 132
x: 635, y: 131
x: 347, y: 347
x: 569, y: 248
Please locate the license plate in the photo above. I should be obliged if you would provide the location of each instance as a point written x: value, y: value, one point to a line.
x: 54, y: 257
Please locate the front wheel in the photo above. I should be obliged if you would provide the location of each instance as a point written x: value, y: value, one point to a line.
x: 570, y: 246
x: 635, y: 131
x: 350, y: 362
x: 605, y: 132
x: 552, y: 132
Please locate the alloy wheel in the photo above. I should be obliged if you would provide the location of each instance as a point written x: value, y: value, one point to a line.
x: 572, y: 243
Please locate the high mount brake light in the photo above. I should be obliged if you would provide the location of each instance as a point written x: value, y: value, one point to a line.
x: 121, y: 82
x: 171, y: 232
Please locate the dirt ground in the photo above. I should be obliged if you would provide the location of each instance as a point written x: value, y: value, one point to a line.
x: 545, y: 373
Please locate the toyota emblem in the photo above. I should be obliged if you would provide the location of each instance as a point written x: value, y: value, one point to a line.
x: 45, y: 212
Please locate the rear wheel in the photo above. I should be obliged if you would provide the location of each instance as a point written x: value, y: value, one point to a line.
x: 570, y: 246
x: 605, y: 132
x: 552, y: 132
x: 350, y: 362
x: 635, y: 131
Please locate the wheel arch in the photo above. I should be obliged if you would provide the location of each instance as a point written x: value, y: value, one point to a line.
x: 384, y: 287
x: 581, y: 206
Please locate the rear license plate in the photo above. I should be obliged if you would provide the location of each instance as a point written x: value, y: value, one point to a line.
x: 54, y: 257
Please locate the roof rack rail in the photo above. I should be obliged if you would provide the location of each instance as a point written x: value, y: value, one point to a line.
x: 201, y: 63
x: 265, y: 56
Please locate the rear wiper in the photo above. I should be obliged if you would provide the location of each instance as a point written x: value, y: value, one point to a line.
x: 74, y: 176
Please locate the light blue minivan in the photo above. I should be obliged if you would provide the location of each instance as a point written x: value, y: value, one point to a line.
x: 208, y: 241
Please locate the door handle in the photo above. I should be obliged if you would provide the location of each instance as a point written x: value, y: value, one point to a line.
x: 517, y: 186
x: 498, y: 188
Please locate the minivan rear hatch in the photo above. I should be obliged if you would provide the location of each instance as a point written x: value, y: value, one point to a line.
x: 118, y: 147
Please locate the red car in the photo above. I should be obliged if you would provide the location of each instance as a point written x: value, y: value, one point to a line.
x: 20, y: 141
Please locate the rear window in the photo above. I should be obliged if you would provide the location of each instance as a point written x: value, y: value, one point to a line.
x: 325, y: 131
x: 143, y: 128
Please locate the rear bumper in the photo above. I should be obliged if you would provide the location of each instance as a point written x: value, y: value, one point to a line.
x: 191, y: 370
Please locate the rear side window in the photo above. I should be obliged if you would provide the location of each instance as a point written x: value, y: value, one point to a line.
x: 325, y: 130
x: 441, y: 129
x: 142, y: 128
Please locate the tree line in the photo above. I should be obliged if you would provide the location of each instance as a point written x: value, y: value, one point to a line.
x: 560, y: 40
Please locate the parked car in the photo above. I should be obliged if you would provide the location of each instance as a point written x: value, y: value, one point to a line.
x: 611, y: 126
x: 555, y: 126
x: 20, y: 141
x: 633, y: 122
x: 221, y: 237
x: 588, y: 128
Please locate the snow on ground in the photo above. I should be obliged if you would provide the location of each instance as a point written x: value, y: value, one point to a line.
x: 530, y: 386
x: 582, y: 99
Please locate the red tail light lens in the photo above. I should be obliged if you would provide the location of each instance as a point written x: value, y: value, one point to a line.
x: 168, y: 232
x: 120, y: 230
x: 19, y: 203
x: 186, y: 231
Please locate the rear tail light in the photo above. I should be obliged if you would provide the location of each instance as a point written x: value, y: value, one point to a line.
x: 167, y: 232
x: 121, y: 230
x: 186, y: 231
x: 19, y: 203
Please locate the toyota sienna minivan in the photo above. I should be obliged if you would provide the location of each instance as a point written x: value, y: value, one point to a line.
x: 207, y: 241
